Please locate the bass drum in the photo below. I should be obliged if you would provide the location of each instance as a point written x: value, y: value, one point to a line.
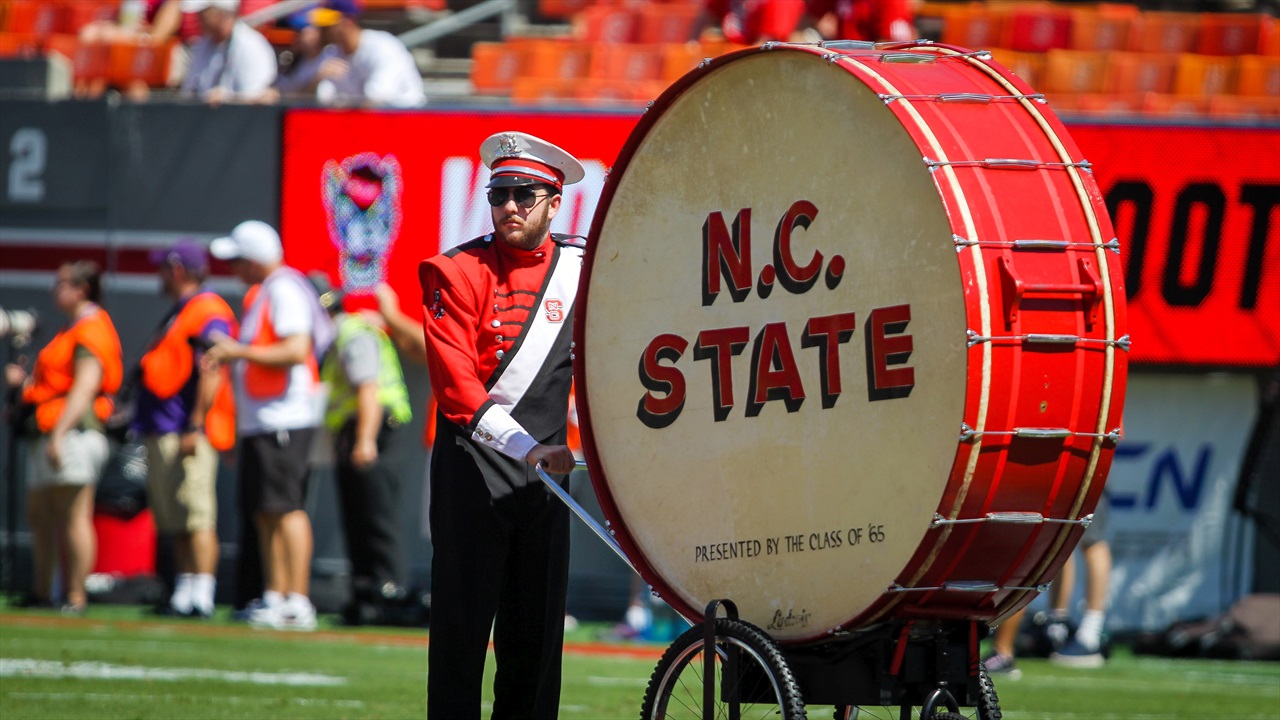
x: 851, y: 343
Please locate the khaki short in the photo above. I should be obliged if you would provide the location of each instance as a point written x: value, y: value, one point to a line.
x: 84, y: 455
x: 181, y: 491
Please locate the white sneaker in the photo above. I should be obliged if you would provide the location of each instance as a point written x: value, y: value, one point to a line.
x: 298, y: 615
x: 263, y: 615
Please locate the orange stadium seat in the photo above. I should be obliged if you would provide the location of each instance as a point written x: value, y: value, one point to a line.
x: 538, y: 91
x: 680, y: 58
x: 1140, y: 73
x: 561, y: 9
x: 553, y: 59
x: 605, y: 24
x: 1203, y: 75
x: 666, y: 23
x: 78, y: 13
x: 1037, y: 29
x: 32, y: 17
x: 1167, y: 32
x: 1108, y: 104
x: 1179, y: 105
x: 1104, y: 27
x: 493, y: 67
x: 626, y: 62
x: 973, y: 26
x: 1074, y: 71
x: 1234, y: 106
x: 139, y: 60
x: 14, y: 45
x: 1258, y: 76
x: 1222, y: 34
x: 1028, y: 66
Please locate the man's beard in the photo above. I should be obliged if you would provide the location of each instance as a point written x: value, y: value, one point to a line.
x: 534, y: 231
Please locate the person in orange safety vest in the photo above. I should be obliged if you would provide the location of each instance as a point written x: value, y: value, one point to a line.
x: 71, y: 389
x: 184, y: 416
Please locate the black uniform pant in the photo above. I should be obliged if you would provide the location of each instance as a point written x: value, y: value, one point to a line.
x: 500, y: 563
x: 370, y: 503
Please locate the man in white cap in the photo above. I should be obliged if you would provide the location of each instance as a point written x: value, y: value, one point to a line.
x: 498, y: 317
x: 278, y: 408
x: 231, y: 62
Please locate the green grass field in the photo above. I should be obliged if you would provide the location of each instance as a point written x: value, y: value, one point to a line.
x: 118, y: 662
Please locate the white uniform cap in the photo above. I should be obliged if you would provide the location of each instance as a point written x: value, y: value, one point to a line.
x: 195, y: 6
x: 251, y: 240
x: 517, y: 158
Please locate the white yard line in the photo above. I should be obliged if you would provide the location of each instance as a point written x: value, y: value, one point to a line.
x: 27, y: 667
x: 216, y: 699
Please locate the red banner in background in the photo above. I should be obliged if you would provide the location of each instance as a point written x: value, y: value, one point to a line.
x: 1196, y: 210
x: 368, y: 195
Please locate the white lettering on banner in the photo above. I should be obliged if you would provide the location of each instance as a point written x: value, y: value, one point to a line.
x: 29, y: 151
x: 464, y: 212
x: 1178, y: 548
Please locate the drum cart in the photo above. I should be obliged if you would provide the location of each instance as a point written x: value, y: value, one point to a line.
x: 923, y: 668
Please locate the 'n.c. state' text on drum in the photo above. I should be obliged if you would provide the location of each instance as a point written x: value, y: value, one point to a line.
x: 773, y: 368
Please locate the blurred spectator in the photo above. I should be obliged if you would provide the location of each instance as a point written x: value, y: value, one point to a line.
x: 184, y: 416
x: 874, y: 20
x: 368, y: 403
x: 70, y: 389
x: 231, y: 62
x: 159, y: 21
x: 372, y: 68
x: 278, y: 406
x: 750, y: 22
x: 299, y: 77
x: 1081, y: 646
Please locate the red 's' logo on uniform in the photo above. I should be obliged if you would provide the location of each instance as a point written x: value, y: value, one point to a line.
x: 555, y: 310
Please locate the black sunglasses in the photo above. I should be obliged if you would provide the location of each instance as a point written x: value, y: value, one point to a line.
x: 524, y: 196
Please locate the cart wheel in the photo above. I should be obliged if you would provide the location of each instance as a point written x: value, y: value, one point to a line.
x: 764, y: 683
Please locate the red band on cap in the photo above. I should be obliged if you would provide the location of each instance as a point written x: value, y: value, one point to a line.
x: 529, y: 168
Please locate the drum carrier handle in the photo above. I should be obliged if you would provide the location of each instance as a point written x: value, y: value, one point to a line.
x: 1013, y: 289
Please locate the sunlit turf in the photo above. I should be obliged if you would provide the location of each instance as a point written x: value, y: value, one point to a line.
x: 119, y: 662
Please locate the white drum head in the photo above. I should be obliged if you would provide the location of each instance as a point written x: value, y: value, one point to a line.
x: 804, y: 517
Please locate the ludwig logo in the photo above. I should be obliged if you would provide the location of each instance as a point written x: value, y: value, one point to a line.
x: 555, y: 310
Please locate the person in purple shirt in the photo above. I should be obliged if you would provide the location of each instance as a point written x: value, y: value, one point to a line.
x: 182, y: 423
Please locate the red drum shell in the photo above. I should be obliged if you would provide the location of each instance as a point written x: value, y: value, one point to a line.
x: 851, y: 344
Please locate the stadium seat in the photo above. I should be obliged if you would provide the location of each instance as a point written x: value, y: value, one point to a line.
x: 1223, y: 34
x: 1138, y: 73
x: 554, y: 59
x: 1028, y: 66
x: 1167, y: 32
x: 973, y: 26
x: 630, y: 62
x: 680, y: 58
x: 32, y: 17
x: 493, y: 67
x: 1176, y: 105
x: 561, y: 9
x: 1203, y: 75
x: 1234, y: 106
x: 1037, y: 29
x: 1258, y: 76
x: 605, y: 24
x: 538, y: 91
x: 14, y: 45
x: 1109, y: 104
x: 129, y: 61
x: 670, y: 23
x: 1104, y: 27
x: 1074, y: 71
x: 75, y: 15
